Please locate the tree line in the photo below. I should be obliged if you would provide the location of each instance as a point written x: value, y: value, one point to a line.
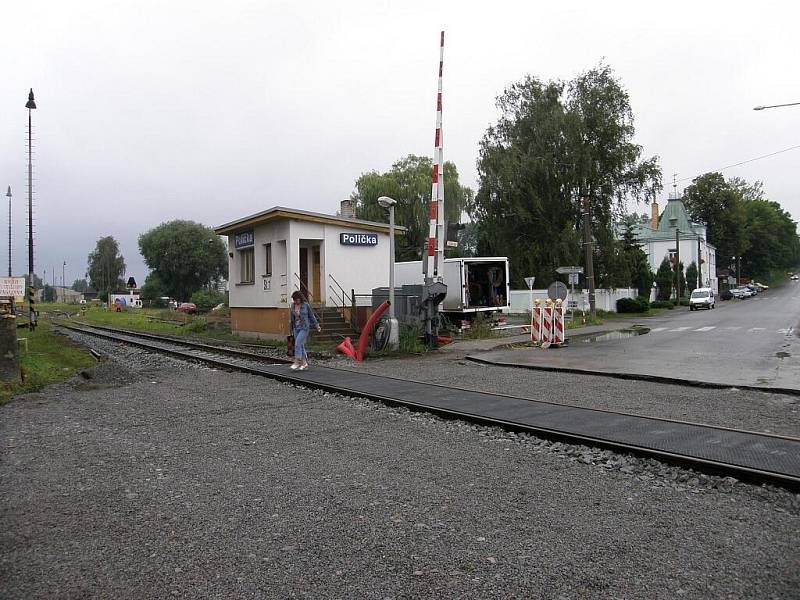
x: 555, y: 144
x: 560, y: 154
x: 187, y: 261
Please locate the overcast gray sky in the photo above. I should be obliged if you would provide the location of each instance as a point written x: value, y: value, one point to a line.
x: 150, y: 111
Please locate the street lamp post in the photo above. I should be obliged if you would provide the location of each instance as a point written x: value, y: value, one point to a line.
x: 63, y: 283
x: 8, y: 193
x: 30, y: 105
x: 394, y: 334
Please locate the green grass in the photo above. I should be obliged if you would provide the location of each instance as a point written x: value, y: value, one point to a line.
x: 50, y: 358
x: 170, y: 322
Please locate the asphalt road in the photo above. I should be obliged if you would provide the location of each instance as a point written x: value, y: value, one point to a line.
x: 751, y: 342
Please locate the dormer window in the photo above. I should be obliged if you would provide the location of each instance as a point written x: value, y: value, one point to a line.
x: 673, y: 222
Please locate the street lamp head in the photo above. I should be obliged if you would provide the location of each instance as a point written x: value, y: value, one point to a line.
x: 759, y: 107
x: 8, y: 193
x: 31, y: 103
x: 386, y: 202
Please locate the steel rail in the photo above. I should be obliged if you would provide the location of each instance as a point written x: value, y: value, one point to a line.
x: 253, y: 363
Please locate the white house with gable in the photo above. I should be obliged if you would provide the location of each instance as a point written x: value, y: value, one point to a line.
x: 280, y: 250
x: 672, y: 233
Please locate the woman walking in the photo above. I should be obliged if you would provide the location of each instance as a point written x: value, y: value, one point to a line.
x: 301, y: 319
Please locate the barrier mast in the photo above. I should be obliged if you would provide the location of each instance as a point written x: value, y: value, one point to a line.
x: 433, y: 257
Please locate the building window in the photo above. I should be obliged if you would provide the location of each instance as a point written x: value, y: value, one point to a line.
x: 267, y: 260
x: 247, y: 261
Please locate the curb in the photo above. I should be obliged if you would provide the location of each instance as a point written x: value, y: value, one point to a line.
x: 640, y: 377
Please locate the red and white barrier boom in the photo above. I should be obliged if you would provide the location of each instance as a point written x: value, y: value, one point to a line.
x: 536, y: 322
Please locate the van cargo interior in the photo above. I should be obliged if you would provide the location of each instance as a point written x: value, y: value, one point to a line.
x: 486, y: 284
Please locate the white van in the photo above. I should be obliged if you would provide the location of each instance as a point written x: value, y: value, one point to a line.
x: 702, y: 298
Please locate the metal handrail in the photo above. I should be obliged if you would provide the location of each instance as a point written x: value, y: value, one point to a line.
x: 345, y: 297
x: 307, y: 292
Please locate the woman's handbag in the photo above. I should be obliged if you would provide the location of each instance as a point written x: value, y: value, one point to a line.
x: 289, y: 345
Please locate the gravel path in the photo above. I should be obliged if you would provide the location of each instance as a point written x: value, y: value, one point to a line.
x: 155, y: 478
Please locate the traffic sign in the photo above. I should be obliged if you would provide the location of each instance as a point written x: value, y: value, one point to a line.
x: 572, y: 304
x: 557, y: 291
x: 573, y: 278
x: 567, y: 270
x: 529, y: 281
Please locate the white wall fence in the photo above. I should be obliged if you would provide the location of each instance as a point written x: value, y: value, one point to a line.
x: 604, y: 299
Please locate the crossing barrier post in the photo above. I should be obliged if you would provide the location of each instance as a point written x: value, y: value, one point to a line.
x: 558, y: 324
x: 536, y: 322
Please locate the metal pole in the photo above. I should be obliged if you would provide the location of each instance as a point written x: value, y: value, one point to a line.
x: 699, y: 264
x: 394, y: 333
x: 391, y: 263
x: 30, y: 105
x: 9, y: 230
x: 587, y: 249
x: 63, y: 283
x: 677, y: 265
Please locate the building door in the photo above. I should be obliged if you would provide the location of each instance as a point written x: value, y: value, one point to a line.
x: 315, y: 274
x: 304, y: 272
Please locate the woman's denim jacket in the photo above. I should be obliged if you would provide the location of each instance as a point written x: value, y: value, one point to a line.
x: 307, y: 317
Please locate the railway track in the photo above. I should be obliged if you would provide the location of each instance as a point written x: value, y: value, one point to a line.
x: 754, y: 457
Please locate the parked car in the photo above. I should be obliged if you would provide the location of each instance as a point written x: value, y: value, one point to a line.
x: 726, y: 295
x: 188, y: 308
x: 741, y: 293
x: 702, y: 298
x: 795, y: 277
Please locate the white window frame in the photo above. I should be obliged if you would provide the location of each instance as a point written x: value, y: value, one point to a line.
x: 247, y: 266
x: 267, y: 260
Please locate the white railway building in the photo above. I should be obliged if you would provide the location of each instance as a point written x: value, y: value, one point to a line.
x: 275, y: 252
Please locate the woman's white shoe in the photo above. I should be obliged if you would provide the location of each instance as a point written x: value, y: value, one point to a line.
x: 294, y: 367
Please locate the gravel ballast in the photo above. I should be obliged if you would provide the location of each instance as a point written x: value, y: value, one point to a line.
x: 150, y: 477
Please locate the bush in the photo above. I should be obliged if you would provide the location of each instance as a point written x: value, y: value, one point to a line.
x: 411, y: 340
x: 480, y: 328
x: 684, y: 302
x: 662, y: 304
x: 633, y: 305
x: 207, y: 299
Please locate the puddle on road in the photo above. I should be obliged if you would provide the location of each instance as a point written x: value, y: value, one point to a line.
x: 607, y: 336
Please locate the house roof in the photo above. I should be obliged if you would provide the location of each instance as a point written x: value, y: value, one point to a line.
x: 674, y: 217
x: 280, y: 212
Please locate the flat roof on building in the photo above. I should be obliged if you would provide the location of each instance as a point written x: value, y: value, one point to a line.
x: 281, y: 212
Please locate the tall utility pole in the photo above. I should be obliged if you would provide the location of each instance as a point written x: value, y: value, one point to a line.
x: 63, y: 283
x: 8, y: 193
x: 587, y: 251
x: 699, y: 264
x: 678, y: 265
x: 30, y: 105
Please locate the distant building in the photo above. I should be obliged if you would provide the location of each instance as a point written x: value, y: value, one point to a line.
x: 658, y: 240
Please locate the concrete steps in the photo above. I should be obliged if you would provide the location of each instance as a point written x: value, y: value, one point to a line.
x: 334, y: 327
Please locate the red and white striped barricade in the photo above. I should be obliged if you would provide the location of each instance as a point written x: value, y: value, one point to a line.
x: 559, y: 334
x: 547, y: 325
x: 536, y: 323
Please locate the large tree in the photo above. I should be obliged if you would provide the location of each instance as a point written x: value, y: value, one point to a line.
x: 409, y: 182
x: 106, y: 267
x: 555, y: 143
x: 772, y: 239
x: 713, y: 201
x: 184, y: 257
x: 80, y: 285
